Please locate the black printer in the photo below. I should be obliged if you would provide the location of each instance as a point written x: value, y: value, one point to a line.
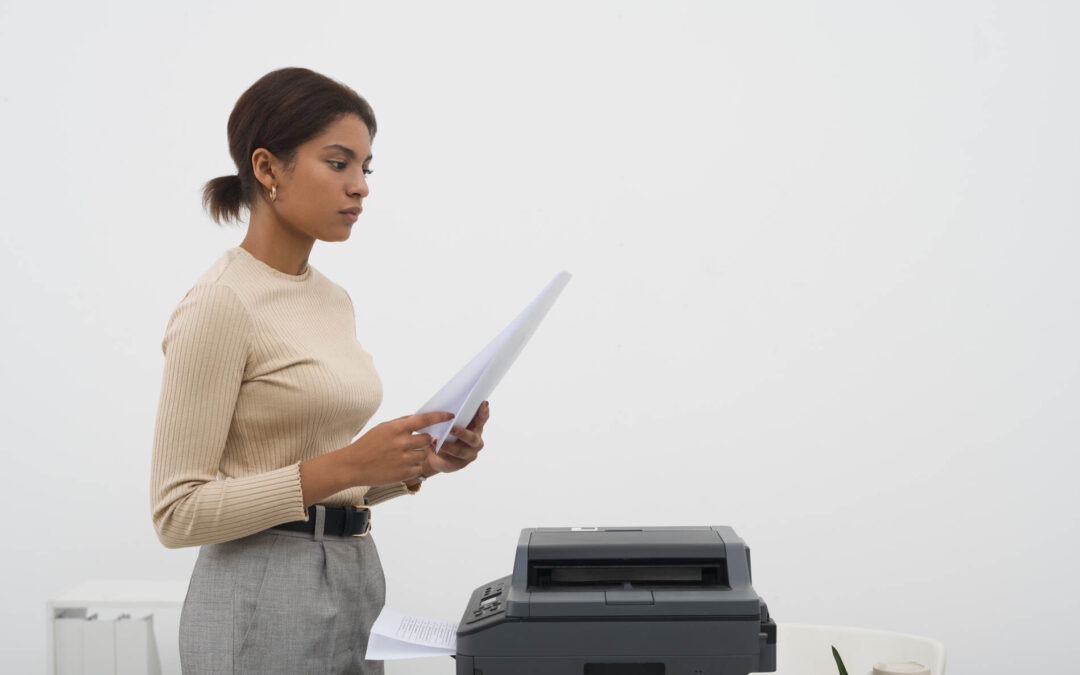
x: 620, y: 601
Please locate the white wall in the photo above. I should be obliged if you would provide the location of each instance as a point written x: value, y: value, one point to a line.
x: 825, y: 287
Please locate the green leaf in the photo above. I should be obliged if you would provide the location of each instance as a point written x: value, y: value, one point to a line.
x: 839, y: 661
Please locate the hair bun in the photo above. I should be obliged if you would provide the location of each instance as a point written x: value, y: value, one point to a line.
x: 223, y: 197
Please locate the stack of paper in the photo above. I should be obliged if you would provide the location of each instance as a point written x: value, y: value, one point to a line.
x: 464, y: 393
x: 403, y: 636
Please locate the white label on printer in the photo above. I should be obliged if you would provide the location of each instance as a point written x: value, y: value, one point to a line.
x: 584, y: 529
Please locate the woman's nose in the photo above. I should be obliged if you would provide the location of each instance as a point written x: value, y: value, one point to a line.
x: 360, y: 188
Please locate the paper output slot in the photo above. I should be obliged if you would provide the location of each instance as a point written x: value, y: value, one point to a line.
x: 550, y: 574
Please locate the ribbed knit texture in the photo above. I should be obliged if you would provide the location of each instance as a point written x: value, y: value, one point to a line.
x: 262, y: 371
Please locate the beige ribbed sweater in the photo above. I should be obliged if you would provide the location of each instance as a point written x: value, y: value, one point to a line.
x: 262, y: 371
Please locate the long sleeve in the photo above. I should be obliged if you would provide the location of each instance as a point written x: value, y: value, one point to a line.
x: 207, y: 345
x: 381, y: 493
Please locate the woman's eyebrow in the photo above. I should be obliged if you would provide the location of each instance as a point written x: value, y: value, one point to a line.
x: 348, y: 151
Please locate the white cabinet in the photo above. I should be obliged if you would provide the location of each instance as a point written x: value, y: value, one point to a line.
x: 132, y: 596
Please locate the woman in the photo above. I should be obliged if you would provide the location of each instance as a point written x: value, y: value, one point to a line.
x: 264, y: 388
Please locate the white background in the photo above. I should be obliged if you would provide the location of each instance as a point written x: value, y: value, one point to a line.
x: 825, y: 287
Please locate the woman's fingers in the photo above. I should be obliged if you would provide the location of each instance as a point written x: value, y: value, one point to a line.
x: 457, y: 454
x: 480, y: 418
x: 470, y: 438
x: 447, y: 461
x: 460, y: 451
x: 424, y: 420
x: 445, y: 464
x: 420, y: 441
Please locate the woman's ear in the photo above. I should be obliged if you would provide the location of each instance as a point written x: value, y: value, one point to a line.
x: 264, y: 165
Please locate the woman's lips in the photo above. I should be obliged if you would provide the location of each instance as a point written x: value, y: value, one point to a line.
x: 351, y: 215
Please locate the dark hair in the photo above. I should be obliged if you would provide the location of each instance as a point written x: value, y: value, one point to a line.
x: 280, y: 112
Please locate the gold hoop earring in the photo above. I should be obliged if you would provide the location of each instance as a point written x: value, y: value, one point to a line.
x: 273, y: 193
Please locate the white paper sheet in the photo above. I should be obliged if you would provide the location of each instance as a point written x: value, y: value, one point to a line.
x: 464, y: 393
x: 395, y: 635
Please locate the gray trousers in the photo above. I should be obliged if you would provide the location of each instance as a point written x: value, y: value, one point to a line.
x: 283, y: 602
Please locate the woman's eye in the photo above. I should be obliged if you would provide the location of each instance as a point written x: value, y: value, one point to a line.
x: 340, y: 166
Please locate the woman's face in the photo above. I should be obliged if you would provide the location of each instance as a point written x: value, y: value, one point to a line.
x: 328, y: 177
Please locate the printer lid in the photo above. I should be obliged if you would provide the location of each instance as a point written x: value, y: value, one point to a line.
x: 631, y: 543
x: 646, y: 572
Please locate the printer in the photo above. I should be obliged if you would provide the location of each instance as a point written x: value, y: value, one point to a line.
x: 620, y: 601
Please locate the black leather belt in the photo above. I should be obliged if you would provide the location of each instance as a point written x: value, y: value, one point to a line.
x: 342, y: 521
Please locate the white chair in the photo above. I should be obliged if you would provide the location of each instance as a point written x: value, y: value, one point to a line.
x: 805, y: 649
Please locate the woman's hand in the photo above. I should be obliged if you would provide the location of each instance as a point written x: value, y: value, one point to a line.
x: 391, y: 452
x: 454, y: 456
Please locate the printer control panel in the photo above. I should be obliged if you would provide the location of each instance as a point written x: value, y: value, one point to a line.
x: 487, y: 601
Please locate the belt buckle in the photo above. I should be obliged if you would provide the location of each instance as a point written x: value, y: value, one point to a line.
x: 368, y: 528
